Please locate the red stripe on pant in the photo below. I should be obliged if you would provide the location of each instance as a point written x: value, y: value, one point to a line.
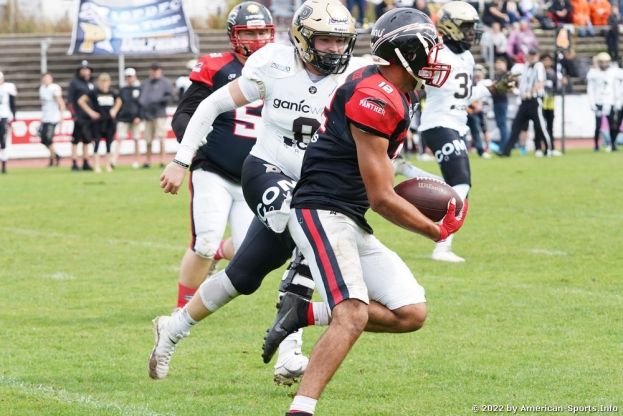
x: 327, y: 270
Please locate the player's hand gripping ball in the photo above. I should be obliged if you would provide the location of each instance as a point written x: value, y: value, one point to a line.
x: 430, y: 196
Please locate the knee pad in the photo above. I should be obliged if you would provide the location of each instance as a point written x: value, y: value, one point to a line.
x: 217, y: 291
x: 297, y: 278
x: 205, y: 247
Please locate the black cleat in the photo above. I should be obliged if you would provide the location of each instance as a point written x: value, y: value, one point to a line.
x: 291, y: 316
x: 298, y: 413
x: 86, y: 166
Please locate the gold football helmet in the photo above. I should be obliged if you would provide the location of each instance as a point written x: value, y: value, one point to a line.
x: 458, y: 22
x: 323, y: 18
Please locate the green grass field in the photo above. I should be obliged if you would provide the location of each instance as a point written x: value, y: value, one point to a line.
x: 533, y: 318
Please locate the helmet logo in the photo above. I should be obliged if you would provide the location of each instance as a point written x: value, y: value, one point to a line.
x: 306, y: 11
x: 253, y: 8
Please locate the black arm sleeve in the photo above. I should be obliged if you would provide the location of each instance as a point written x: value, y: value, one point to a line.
x: 12, y: 105
x: 196, y: 93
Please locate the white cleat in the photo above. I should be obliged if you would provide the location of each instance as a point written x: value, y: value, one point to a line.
x: 164, y: 348
x: 290, y: 368
x: 447, y: 256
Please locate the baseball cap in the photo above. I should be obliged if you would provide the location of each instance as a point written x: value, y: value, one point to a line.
x: 85, y: 64
x: 129, y: 72
x: 155, y: 65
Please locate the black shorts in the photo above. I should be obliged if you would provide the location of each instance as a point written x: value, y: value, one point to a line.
x: 83, y: 132
x: 264, y: 186
x: 46, y: 133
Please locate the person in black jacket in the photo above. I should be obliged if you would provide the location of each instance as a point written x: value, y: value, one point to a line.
x: 83, y: 127
x: 129, y: 117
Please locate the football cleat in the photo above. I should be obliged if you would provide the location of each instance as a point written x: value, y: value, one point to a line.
x: 291, y: 315
x: 447, y: 256
x: 290, y: 369
x: 164, y: 348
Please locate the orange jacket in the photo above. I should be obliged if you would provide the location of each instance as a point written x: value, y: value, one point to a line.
x: 581, y: 12
x: 600, y: 11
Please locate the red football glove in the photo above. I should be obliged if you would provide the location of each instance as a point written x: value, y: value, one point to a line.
x: 451, y: 224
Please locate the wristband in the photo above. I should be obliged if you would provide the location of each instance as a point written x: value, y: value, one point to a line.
x: 182, y: 164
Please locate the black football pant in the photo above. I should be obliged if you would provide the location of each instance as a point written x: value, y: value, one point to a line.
x: 530, y: 109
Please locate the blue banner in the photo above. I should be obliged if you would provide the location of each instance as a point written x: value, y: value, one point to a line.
x: 156, y: 27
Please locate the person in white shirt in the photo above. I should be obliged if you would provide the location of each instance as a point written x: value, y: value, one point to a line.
x: 52, y: 109
x: 601, y: 88
x: 8, y: 92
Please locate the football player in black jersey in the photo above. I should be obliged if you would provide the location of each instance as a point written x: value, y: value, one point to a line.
x: 366, y: 285
x: 216, y: 194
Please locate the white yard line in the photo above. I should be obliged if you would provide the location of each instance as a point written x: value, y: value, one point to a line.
x: 547, y: 252
x: 40, y: 233
x: 63, y: 396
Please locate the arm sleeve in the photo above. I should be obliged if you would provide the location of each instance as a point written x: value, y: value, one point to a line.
x: 12, y: 105
x: 200, y: 124
x: 251, y: 89
x: 196, y: 93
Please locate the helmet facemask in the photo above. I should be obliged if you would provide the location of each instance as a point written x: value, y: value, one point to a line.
x: 327, y: 62
x: 430, y: 71
x: 247, y: 47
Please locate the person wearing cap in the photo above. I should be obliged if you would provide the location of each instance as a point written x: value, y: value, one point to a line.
x: 8, y: 92
x: 52, y: 109
x: 600, y: 87
x: 531, y: 90
x: 183, y: 81
x: 129, y: 117
x: 156, y: 94
x: 83, y: 127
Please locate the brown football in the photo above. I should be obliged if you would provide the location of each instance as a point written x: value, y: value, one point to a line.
x: 429, y: 195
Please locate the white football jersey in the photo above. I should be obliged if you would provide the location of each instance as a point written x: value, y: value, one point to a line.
x: 447, y: 106
x: 601, y: 86
x: 7, y: 89
x: 293, y: 104
x: 50, y: 112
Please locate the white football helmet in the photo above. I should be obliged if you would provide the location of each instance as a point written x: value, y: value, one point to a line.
x: 458, y: 22
x: 323, y: 18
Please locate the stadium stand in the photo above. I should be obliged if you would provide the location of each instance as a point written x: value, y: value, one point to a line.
x: 21, y: 59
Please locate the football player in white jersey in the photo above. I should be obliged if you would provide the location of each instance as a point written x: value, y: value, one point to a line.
x: 601, y: 87
x: 296, y: 82
x: 443, y: 124
x: 8, y: 92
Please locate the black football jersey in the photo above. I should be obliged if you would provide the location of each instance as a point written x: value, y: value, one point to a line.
x: 234, y: 132
x: 330, y: 178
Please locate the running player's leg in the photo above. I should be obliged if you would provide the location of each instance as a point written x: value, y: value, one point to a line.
x: 450, y: 151
x: 261, y: 252
x: 210, y: 207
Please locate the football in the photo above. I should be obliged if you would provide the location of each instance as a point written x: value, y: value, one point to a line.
x: 429, y: 195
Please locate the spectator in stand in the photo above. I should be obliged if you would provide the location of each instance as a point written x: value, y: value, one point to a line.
x: 102, y: 105
x: 560, y: 12
x: 612, y: 35
x: 8, y: 92
x: 183, y: 81
x: 495, y: 11
x: 581, y: 17
x: 52, y: 109
x: 600, y: 11
x: 527, y: 8
x: 83, y: 127
x: 361, y: 10
x: 422, y: 6
x: 156, y: 94
x: 521, y: 40
x: 500, y: 105
x: 129, y: 117
x: 493, y: 44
